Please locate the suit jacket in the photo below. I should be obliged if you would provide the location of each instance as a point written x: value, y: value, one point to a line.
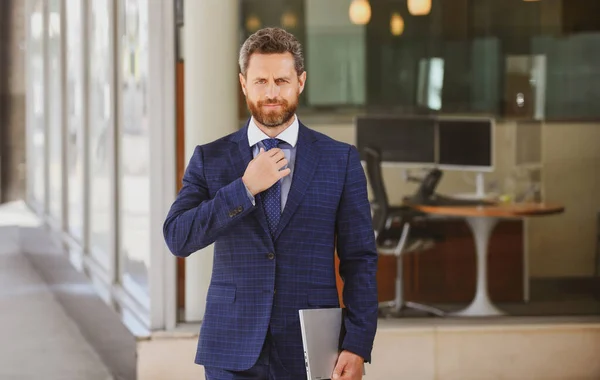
x: 259, y: 282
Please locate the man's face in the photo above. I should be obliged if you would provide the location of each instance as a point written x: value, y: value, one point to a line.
x: 272, y: 88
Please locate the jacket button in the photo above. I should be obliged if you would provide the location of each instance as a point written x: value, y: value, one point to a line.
x: 271, y: 256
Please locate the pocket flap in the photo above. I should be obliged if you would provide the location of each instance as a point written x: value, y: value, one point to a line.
x: 323, y: 297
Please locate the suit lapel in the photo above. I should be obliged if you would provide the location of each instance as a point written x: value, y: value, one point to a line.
x: 243, y: 156
x: 307, y: 158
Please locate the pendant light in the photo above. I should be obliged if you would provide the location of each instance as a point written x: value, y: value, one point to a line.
x: 419, y: 7
x: 396, y: 24
x: 360, y: 12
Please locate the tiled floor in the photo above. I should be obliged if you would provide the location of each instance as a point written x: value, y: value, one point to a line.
x: 53, y: 324
x: 39, y: 340
x: 37, y: 309
x: 549, y: 297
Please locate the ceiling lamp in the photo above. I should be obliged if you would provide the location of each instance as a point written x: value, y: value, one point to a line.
x: 419, y: 7
x: 253, y: 23
x: 396, y: 24
x: 289, y: 20
x: 360, y: 12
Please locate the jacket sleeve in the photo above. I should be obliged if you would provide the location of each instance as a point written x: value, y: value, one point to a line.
x: 194, y: 220
x: 358, y: 260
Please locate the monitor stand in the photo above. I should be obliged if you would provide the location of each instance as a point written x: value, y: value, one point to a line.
x: 479, y: 193
x: 480, y: 186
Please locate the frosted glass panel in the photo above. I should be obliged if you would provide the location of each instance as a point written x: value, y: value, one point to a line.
x: 101, y: 131
x: 36, y: 99
x: 135, y: 147
x: 75, y: 120
x: 55, y: 110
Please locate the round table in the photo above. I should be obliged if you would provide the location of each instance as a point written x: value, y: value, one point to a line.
x: 481, y: 221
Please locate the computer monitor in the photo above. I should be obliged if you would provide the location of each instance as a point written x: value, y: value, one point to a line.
x: 466, y: 144
x: 402, y: 140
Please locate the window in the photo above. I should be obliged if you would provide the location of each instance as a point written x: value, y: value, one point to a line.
x: 101, y: 133
x: 463, y: 52
x: 135, y: 147
x: 55, y: 110
x: 36, y: 103
x: 75, y: 117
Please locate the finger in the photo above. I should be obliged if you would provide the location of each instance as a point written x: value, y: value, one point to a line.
x: 339, y: 370
x: 273, y: 151
x: 280, y: 164
x: 284, y: 173
x: 278, y: 155
x: 261, y: 151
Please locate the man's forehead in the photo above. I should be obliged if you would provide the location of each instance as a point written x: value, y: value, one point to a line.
x: 270, y: 62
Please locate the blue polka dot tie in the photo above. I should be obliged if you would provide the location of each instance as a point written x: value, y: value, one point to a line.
x: 271, y: 197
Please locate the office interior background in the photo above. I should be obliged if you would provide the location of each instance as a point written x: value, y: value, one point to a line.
x: 104, y: 87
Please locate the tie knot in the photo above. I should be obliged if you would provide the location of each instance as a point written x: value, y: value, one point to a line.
x: 270, y: 143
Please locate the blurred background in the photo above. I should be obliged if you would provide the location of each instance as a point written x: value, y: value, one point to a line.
x: 103, y: 101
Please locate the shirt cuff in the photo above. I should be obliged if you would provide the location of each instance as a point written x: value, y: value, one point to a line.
x: 250, y: 196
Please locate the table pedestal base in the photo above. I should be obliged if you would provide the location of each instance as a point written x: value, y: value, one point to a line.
x: 482, y: 306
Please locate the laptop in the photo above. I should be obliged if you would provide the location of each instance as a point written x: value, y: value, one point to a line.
x: 322, y: 334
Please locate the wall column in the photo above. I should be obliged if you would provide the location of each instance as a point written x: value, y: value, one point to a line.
x: 210, y: 52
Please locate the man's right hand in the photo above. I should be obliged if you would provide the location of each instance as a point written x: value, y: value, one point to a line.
x: 264, y: 170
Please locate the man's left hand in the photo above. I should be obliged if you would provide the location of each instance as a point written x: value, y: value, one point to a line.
x: 349, y: 367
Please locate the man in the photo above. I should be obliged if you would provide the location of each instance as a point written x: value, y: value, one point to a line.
x: 277, y: 199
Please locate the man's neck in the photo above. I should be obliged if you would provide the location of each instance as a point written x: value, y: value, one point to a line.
x: 273, y: 132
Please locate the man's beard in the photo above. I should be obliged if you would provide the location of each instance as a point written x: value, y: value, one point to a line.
x: 274, y: 118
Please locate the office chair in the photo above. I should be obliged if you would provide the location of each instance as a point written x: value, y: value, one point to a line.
x: 395, y: 238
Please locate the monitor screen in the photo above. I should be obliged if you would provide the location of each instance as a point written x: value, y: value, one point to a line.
x: 465, y: 143
x: 399, y: 139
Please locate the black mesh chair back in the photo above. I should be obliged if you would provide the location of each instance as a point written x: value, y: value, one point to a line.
x: 379, y: 203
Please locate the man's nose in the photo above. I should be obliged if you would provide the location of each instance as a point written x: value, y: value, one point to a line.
x: 272, y: 90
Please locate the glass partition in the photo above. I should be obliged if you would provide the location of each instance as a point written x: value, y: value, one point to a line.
x: 371, y: 55
x: 134, y: 139
x: 36, y: 105
x: 75, y: 116
x: 54, y: 119
x: 101, y: 131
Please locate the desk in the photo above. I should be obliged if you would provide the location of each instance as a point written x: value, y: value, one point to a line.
x: 481, y: 221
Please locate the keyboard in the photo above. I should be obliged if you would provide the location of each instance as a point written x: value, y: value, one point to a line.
x: 457, y: 202
x: 445, y: 201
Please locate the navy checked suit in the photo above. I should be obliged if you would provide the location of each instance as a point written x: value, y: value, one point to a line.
x: 259, y: 281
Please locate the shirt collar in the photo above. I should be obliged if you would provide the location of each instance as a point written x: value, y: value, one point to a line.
x: 289, y: 135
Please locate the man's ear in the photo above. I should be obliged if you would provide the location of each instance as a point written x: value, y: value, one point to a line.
x: 301, y: 81
x: 243, y: 83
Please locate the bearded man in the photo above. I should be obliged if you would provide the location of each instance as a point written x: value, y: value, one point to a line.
x: 278, y: 200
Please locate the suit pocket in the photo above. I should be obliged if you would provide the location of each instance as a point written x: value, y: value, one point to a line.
x: 221, y: 293
x: 323, y: 298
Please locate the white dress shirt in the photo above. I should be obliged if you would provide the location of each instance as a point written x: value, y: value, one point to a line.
x: 289, y: 138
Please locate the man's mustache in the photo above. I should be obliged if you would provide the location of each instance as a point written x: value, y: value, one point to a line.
x: 272, y: 103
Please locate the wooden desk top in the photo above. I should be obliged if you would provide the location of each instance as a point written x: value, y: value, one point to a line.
x: 502, y: 210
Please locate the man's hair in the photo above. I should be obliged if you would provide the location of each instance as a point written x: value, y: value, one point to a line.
x: 271, y: 41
